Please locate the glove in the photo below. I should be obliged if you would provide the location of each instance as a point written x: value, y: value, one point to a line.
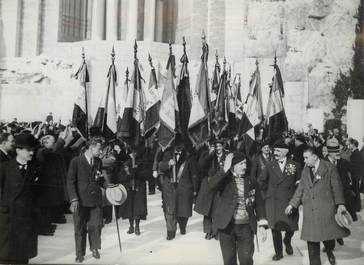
x: 155, y: 174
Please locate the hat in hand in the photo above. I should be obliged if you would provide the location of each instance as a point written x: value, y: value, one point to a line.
x: 116, y: 194
x: 344, y: 219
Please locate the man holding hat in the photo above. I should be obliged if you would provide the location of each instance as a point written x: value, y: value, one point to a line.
x: 343, y: 168
x: 84, y: 181
x: 239, y: 211
x: 278, y: 183
x: 321, y: 194
x: 18, y: 184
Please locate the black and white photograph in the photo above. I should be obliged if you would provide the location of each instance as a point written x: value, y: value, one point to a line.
x: 182, y: 132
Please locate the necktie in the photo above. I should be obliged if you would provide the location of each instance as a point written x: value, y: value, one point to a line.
x: 22, y: 169
x: 312, y: 169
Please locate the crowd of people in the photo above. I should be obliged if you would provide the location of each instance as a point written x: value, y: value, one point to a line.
x: 48, y: 170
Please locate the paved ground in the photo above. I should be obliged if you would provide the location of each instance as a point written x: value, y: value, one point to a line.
x: 151, y: 247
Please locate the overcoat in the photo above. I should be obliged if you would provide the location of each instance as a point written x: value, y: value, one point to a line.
x: 225, y: 208
x: 52, y: 176
x: 178, y: 197
x: 206, y: 197
x: 356, y: 169
x: 18, y: 233
x: 258, y: 164
x: 319, y: 199
x: 278, y: 188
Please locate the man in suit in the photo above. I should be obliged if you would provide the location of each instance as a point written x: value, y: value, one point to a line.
x: 179, y: 187
x: 362, y: 162
x: 7, y: 143
x: 278, y: 184
x: 321, y: 194
x: 239, y: 211
x: 84, y: 182
x: 212, y: 160
x: 356, y: 171
x: 18, y: 190
x: 261, y: 160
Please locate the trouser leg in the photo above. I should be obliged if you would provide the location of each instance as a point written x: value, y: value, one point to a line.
x: 80, y: 227
x: 228, y: 245
x: 94, y: 227
x: 329, y: 246
x: 314, y: 252
x: 288, y: 237
x: 207, y: 224
x: 245, y: 244
x: 277, y: 241
x: 171, y: 221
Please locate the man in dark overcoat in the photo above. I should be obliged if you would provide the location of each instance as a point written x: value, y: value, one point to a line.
x: 179, y: 187
x: 213, y: 160
x: 239, y: 211
x: 356, y: 168
x: 18, y: 190
x: 278, y: 184
x: 321, y: 194
x: 6, y: 146
x: 260, y: 160
x: 84, y: 181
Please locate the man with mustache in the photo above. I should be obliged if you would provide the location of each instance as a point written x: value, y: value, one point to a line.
x: 278, y: 184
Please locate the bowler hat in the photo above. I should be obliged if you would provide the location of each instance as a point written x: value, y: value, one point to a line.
x: 238, y: 157
x: 25, y: 140
x: 116, y: 194
x: 300, y: 138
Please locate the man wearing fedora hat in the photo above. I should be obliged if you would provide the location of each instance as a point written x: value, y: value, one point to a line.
x: 278, y: 183
x: 84, y: 182
x: 18, y: 190
x: 261, y: 159
x: 321, y: 194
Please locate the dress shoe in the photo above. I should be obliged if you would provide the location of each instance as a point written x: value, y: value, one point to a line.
x: 289, y: 249
x: 131, y: 230
x: 46, y: 233
x: 277, y: 257
x: 208, y: 236
x: 60, y: 220
x: 331, y: 258
x: 151, y: 193
x: 340, y: 241
x: 171, y: 235
x: 137, y: 231
x: 95, y: 254
x: 79, y: 259
x: 182, y: 230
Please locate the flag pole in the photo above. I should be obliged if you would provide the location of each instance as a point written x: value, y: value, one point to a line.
x: 117, y: 228
x: 86, y: 105
x: 205, y: 54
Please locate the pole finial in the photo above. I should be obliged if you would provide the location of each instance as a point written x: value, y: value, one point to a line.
x: 275, y: 58
x: 184, y: 44
x: 127, y: 73
x: 113, y: 54
x: 83, y: 53
x: 150, y: 60
x: 170, y: 47
x: 135, y: 49
x: 256, y: 62
x: 203, y: 37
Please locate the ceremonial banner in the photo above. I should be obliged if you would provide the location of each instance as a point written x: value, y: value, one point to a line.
x: 80, y: 112
x: 221, y: 109
x: 169, y: 108
x: 276, y: 117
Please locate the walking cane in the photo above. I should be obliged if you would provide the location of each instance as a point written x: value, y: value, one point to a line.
x: 117, y: 227
x: 256, y: 239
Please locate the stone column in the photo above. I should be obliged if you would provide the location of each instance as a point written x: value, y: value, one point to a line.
x: 98, y: 20
x: 149, y: 20
x: 111, y: 20
x: 132, y: 25
x: 159, y: 21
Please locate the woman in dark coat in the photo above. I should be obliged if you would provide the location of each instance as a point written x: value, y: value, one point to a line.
x: 133, y: 175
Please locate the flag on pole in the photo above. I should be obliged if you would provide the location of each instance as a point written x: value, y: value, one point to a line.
x: 199, y: 123
x: 105, y: 120
x: 276, y: 117
x: 169, y: 106
x: 220, y: 119
x: 184, y: 95
x: 152, y: 102
x: 253, y: 111
x: 80, y: 111
x: 238, y: 99
x: 132, y: 122
x: 216, y: 76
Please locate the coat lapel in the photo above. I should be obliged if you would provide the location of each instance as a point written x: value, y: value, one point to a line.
x: 278, y: 171
x: 321, y: 170
x: 17, y: 177
x: 86, y: 165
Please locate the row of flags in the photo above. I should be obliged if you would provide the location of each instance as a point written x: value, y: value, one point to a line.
x: 167, y: 105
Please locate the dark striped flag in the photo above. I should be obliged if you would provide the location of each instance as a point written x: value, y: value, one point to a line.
x: 220, y: 119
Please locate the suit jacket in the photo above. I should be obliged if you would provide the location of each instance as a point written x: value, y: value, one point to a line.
x: 258, y: 164
x: 82, y: 184
x: 18, y: 233
x: 356, y: 164
x: 225, y: 207
x: 278, y: 188
x: 320, y: 199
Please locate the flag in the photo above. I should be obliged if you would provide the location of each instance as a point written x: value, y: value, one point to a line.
x: 276, y: 117
x: 184, y: 98
x: 198, y: 126
x: 133, y: 117
x: 152, y: 103
x: 216, y: 78
x: 169, y: 108
x: 80, y: 112
x: 221, y: 109
x: 253, y: 111
x: 238, y: 99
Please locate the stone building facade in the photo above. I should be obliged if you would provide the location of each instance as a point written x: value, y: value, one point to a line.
x: 41, y: 41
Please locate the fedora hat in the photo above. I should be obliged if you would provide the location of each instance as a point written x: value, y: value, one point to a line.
x: 332, y: 145
x: 116, y: 194
x: 344, y: 219
x: 25, y: 140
